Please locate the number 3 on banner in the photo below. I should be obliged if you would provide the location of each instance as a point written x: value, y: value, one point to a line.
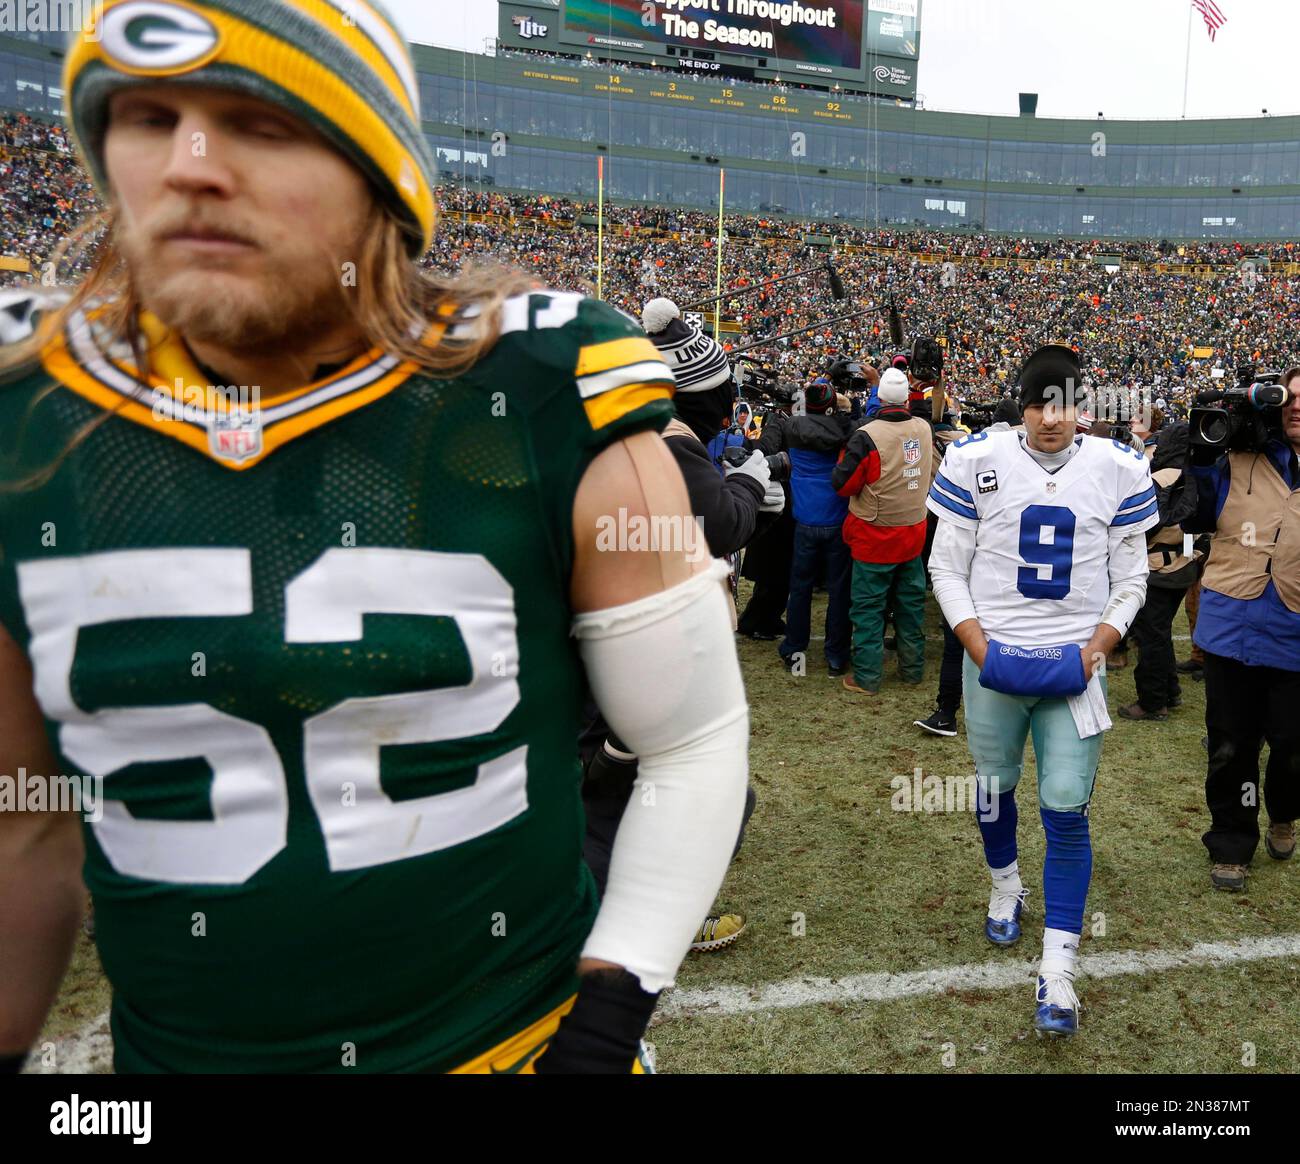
x: 341, y: 746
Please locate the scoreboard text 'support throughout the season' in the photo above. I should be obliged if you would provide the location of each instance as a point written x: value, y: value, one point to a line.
x: 827, y: 32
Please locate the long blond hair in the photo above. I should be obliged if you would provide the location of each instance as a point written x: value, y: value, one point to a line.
x: 394, y: 302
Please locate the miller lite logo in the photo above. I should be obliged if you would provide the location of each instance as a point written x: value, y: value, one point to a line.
x: 235, y: 435
x: 528, y: 27
x: 911, y: 451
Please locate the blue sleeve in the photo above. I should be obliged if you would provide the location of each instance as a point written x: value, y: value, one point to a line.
x: 1284, y: 458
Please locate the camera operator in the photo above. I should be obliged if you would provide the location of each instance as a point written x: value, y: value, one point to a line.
x: 1171, y: 572
x: 727, y: 510
x: 1249, y: 620
x: 885, y: 473
x: 814, y: 442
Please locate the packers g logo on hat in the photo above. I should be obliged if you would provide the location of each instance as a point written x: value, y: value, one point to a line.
x: 155, y: 36
x: 339, y: 65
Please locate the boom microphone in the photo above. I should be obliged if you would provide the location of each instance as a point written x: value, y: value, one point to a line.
x: 837, y: 284
x: 895, y: 325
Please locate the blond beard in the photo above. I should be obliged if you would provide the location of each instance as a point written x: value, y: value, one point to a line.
x: 275, y: 312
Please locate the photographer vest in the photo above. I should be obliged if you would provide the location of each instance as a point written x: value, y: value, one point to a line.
x: 1258, y: 534
x: 906, y: 450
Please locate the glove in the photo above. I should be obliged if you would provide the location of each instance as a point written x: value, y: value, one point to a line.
x: 755, y: 467
x: 610, y: 773
x: 601, y: 1035
x: 773, y: 499
x: 1049, y: 672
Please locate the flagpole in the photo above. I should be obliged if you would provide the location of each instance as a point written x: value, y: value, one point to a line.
x: 600, y: 228
x: 717, y: 308
x: 1187, y: 59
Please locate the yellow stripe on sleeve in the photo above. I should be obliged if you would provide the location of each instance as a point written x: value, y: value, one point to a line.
x: 610, y: 406
x: 633, y: 349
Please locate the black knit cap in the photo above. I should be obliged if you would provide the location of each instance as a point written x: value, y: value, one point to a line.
x: 819, y: 395
x: 1052, y: 373
x: 1007, y: 410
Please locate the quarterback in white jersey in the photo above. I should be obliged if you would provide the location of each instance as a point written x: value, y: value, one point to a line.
x: 1042, y: 539
x: 1039, y: 563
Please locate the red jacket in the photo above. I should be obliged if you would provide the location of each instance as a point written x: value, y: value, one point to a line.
x: 859, y: 466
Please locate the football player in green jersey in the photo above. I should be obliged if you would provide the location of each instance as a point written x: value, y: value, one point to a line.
x: 304, y: 560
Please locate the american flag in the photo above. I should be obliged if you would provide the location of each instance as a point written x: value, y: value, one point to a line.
x: 1212, y: 15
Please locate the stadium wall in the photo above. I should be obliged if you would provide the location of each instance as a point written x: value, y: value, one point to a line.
x: 537, y: 123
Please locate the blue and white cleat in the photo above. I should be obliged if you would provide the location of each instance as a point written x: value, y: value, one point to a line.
x: 1002, y: 926
x: 1058, y: 1007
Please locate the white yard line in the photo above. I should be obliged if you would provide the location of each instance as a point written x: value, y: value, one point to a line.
x: 995, y: 974
x: 87, y: 1052
x: 90, y: 1050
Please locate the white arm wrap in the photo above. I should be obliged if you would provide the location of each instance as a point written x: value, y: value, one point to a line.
x: 951, y: 553
x: 1128, y: 570
x: 665, y: 674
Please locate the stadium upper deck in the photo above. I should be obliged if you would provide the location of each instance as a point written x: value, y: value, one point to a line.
x: 538, y: 123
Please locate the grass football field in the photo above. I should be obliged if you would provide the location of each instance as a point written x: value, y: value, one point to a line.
x: 884, y: 892
x: 865, y: 949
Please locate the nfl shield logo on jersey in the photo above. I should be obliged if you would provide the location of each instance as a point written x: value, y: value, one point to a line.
x: 911, y: 451
x: 235, y: 435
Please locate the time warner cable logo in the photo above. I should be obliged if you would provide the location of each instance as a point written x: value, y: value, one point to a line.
x: 102, y: 1117
x: 22, y: 16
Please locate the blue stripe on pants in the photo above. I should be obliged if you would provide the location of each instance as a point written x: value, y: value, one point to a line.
x: 1067, y: 870
x: 998, y: 828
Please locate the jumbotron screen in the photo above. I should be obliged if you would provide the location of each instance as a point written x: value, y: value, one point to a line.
x: 815, y: 32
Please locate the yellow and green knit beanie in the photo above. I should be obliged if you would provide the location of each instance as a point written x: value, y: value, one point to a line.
x: 339, y: 65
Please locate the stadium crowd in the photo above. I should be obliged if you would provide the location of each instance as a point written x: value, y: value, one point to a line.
x: 990, y: 298
x: 1135, y: 324
x: 44, y: 192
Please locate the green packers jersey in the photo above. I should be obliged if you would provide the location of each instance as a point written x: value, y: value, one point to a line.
x: 317, y: 650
